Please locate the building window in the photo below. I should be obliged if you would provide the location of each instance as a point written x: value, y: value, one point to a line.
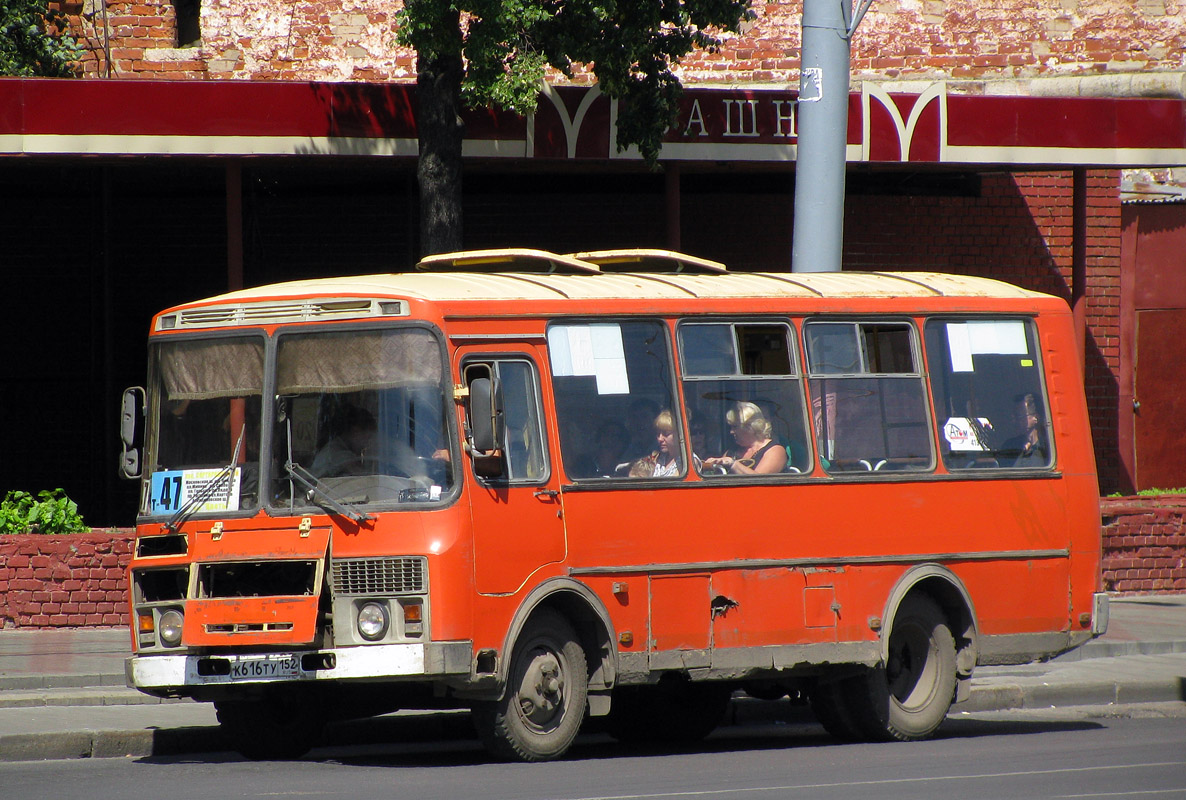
x: 189, y: 29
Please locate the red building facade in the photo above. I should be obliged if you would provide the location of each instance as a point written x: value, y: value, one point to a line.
x: 280, y: 143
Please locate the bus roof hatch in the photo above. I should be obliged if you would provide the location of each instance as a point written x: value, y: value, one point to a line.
x: 506, y: 260
x: 644, y: 260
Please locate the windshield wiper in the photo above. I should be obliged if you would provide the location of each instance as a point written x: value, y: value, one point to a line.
x: 195, y: 502
x: 318, y: 489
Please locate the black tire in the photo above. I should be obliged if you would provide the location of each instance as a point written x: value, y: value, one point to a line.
x: 676, y: 712
x: 279, y: 727
x: 543, y: 704
x: 908, y: 697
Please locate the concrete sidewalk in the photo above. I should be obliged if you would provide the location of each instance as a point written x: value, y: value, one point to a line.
x: 62, y: 692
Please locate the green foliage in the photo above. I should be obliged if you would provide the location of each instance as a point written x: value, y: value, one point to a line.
x: 1152, y: 492
x: 51, y: 512
x: 35, y: 41
x: 632, y: 47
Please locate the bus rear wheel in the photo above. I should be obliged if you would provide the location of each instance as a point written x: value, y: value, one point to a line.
x: 543, y: 704
x: 908, y: 697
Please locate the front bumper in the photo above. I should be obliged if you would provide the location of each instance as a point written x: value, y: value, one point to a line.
x: 175, y: 673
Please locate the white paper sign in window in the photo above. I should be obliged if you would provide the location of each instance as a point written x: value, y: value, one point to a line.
x: 993, y: 337
x: 966, y: 434
x: 959, y: 347
x: 590, y: 350
x: 998, y: 337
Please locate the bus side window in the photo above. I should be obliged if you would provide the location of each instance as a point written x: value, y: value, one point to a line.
x: 986, y: 386
x: 743, y: 370
x: 613, y: 384
x: 522, y: 432
x: 868, y: 396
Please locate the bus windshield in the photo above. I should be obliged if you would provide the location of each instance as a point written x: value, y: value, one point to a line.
x: 361, y: 415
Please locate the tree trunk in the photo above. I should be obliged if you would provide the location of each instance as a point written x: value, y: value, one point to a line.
x: 439, y: 126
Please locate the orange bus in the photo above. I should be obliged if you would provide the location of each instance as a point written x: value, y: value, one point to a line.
x: 622, y: 484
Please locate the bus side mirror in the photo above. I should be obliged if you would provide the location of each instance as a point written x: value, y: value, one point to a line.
x: 485, y: 426
x: 131, y: 422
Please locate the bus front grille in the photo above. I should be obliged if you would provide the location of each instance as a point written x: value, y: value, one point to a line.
x: 378, y: 576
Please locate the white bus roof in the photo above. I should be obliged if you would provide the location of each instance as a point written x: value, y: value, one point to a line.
x: 363, y: 296
x: 626, y: 285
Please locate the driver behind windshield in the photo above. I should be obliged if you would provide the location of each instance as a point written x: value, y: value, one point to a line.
x: 347, y: 450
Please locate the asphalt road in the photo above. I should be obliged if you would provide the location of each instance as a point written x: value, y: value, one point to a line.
x: 1117, y: 752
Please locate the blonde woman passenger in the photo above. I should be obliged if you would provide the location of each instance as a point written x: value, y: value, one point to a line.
x: 664, y: 461
x: 757, y: 452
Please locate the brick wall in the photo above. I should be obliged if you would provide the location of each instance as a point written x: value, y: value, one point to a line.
x: 73, y: 581
x: 898, y: 40
x: 930, y: 39
x: 1144, y: 544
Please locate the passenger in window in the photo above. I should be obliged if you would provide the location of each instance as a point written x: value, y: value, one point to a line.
x: 757, y: 452
x: 663, y: 462
x: 607, y: 460
x: 1029, y: 445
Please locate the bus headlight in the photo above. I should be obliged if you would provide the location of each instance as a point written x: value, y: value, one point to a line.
x: 169, y: 627
x: 373, y: 621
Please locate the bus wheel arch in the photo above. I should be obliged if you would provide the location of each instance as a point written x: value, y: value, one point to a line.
x: 584, y: 610
x: 928, y: 649
x: 559, y: 629
x: 948, y: 592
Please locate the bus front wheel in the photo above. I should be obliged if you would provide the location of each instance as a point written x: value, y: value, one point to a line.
x: 543, y: 704
x: 908, y: 697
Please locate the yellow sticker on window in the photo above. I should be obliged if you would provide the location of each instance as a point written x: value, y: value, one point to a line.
x: 1027, y: 362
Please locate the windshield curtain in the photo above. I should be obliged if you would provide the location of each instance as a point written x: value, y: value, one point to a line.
x: 358, y: 360
x: 204, y: 370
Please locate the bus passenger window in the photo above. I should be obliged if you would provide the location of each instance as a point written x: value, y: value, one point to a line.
x: 986, y: 385
x: 868, y: 397
x: 615, y: 401
x: 745, y: 400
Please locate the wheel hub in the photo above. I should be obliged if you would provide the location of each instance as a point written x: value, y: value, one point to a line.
x: 541, y: 694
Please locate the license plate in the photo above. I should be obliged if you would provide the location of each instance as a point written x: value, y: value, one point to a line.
x: 254, y: 668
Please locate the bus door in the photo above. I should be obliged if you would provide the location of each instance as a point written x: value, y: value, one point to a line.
x: 514, y: 497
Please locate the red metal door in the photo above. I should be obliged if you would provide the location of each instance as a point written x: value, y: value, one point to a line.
x: 1161, y: 393
x: 1155, y: 256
